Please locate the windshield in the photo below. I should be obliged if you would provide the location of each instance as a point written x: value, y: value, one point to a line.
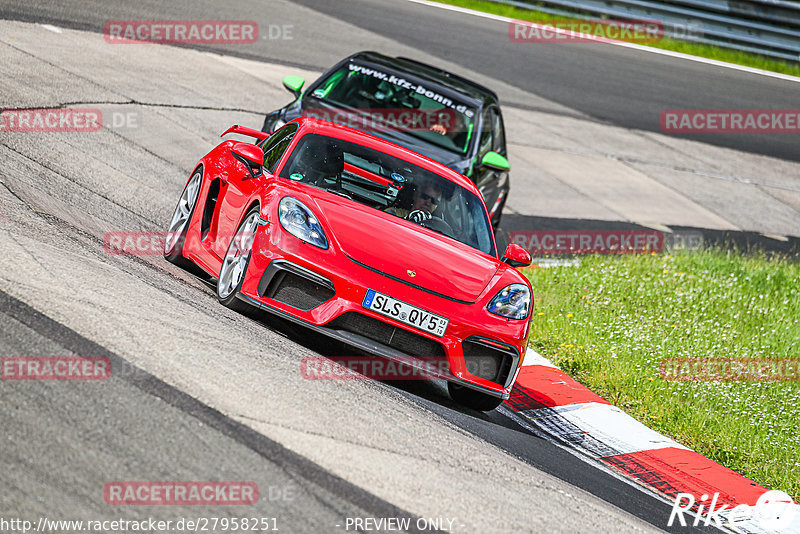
x: 372, y: 100
x: 390, y: 184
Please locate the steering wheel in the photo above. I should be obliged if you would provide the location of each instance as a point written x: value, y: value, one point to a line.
x: 437, y: 224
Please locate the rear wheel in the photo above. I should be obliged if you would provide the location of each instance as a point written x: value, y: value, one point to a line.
x: 472, y: 398
x: 176, y: 234
x: 234, y: 265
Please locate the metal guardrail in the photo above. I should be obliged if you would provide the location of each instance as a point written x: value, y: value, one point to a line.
x: 767, y: 27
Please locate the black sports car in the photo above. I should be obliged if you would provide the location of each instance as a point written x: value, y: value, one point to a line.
x: 438, y: 114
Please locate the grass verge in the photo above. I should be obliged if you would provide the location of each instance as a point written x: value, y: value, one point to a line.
x: 610, y: 321
x: 694, y: 49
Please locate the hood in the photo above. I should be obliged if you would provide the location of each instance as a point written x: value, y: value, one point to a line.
x: 384, y: 243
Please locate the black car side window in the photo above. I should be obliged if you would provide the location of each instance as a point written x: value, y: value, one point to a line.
x: 276, y: 145
x: 499, y: 142
x: 493, y: 136
x: 487, y: 124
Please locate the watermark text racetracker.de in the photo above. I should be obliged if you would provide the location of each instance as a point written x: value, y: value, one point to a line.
x: 730, y: 121
x: 61, y: 120
x: 135, y: 243
x: 376, y: 368
x: 51, y: 120
x: 730, y: 369
x: 149, y: 524
x: 582, y: 31
x: 55, y: 368
x: 147, y: 243
x: 144, y: 243
x: 537, y: 242
x: 641, y: 31
x: 68, y: 368
x: 181, y: 31
x: 193, y: 31
x: 180, y: 493
x: 589, y: 241
x: 558, y: 242
x: 379, y: 119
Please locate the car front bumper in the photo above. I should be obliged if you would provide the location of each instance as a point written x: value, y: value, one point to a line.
x: 324, y: 290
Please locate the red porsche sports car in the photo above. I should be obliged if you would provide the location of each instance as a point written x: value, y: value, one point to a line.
x: 364, y: 241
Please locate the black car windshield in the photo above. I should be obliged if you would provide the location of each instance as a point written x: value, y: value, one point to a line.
x: 371, y: 100
x: 390, y: 184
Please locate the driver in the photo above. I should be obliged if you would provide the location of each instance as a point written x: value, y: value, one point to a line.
x: 424, y: 202
x: 451, y: 124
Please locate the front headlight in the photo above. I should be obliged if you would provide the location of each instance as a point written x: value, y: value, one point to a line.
x: 513, y: 301
x: 298, y: 220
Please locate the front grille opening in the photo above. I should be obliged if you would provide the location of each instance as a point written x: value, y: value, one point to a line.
x: 297, y: 291
x: 484, y: 361
x: 386, y: 334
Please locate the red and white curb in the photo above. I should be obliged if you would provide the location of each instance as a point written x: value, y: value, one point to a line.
x: 553, y: 405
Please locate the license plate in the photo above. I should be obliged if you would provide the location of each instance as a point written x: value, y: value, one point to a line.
x: 405, y: 313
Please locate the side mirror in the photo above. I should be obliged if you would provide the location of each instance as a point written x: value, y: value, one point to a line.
x: 251, y: 157
x: 493, y: 160
x: 294, y: 84
x: 516, y: 256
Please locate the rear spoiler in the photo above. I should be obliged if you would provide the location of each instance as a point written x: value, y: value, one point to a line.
x: 244, y: 130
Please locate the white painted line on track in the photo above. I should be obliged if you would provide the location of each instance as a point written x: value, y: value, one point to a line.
x: 669, y: 53
x: 590, y: 431
x: 607, y: 424
x: 585, y: 456
x: 534, y: 358
x: 52, y: 28
x: 579, y: 453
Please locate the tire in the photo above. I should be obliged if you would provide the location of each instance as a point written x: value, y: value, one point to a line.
x: 234, y: 264
x: 182, y: 216
x: 473, y: 399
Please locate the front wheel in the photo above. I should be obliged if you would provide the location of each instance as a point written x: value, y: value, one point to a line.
x: 176, y: 235
x: 234, y: 265
x: 473, y: 399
